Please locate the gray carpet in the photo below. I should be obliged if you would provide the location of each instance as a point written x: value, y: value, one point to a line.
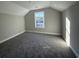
x: 32, y: 45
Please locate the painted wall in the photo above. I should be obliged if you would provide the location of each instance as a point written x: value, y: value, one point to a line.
x: 73, y: 15
x: 10, y: 25
x: 52, y: 21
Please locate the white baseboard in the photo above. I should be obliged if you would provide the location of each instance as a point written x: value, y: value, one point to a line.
x: 12, y: 37
x: 44, y: 32
x: 77, y: 55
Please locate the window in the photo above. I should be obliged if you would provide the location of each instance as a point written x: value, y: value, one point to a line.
x: 68, y: 31
x: 39, y: 19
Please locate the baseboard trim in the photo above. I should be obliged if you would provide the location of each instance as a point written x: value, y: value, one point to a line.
x: 12, y: 37
x: 45, y: 33
x: 77, y: 55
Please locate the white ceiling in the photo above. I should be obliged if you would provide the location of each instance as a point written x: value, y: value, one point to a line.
x: 11, y: 8
x: 63, y: 5
x: 23, y: 7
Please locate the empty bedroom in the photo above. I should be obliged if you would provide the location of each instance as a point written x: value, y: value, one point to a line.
x: 39, y: 29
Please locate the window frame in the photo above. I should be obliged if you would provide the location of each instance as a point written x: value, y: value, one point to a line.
x: 42, y: 19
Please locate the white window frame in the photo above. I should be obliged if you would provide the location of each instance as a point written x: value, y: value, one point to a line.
x: 43, y: 20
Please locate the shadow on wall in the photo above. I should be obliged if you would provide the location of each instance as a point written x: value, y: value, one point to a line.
x: 67, y: 31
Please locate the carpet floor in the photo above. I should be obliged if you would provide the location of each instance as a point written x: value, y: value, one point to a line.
x: 33, y: 45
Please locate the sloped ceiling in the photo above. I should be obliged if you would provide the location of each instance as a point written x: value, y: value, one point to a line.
x: 63, y: 5
x: 23, y: 7
x: 11, y: 8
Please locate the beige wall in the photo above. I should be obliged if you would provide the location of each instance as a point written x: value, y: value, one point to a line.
x: 52, y: 21
x: 73, y: 15
x: 10, y: 25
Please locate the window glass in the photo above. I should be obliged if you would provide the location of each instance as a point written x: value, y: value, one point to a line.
x: 39, y: 19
